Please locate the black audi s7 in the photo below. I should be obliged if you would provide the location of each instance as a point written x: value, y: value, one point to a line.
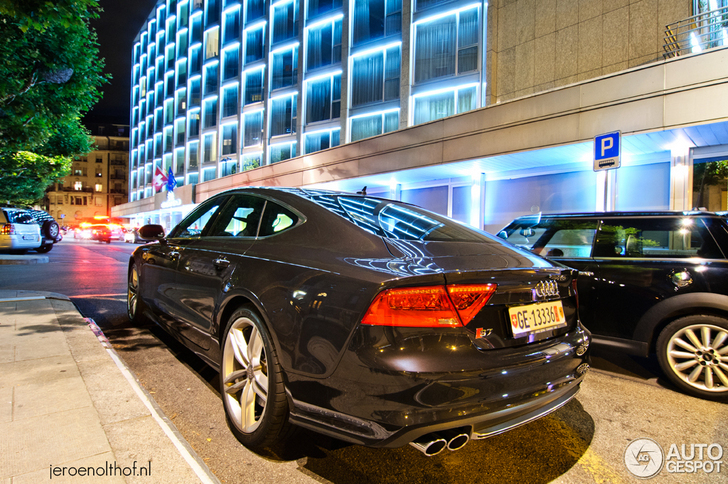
x: 366, y: 319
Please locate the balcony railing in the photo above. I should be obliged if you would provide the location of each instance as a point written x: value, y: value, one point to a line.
x: 704, y: 31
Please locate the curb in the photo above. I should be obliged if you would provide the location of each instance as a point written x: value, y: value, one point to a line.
x: 6, y: 259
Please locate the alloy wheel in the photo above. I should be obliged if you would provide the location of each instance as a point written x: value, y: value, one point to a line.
x: 698, y: 355
x: 245, y: 375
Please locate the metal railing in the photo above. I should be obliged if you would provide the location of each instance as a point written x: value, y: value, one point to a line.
x: 704, y: 31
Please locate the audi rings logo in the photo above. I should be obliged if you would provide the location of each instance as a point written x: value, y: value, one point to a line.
x: 644, y: 458
x: 546, y: 289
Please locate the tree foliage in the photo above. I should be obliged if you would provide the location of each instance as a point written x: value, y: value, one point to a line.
x: 50, y: 74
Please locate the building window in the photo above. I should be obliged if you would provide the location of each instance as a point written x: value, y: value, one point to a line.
x: 321, y: 140
x: 209, y: 148
x: 195, y: 92
x: 230, y: 101
x: 283, y: 115
x: 323, y: 99
x: 446, y: 46
x: 285, y: 68
x: 373, y: 125
x: 254, y: 86
x: 324, y: 45
x: 231, y: 64
x: 195, y: 62
x: 229, y: 139
x: 251, y: 161
x: 210, y: 77
x: 194, y: 122
x: 228, y: 168
x: 181, y: 44
x: 193, y: 155
x: 180, y: 100
x: 196, y: 29
x: 285, y: 20
x: 232, y: 25
x: 209, y: 118
x: 179, y: 161
x: 254, y: 43
x: 316, y: 7
x: 375, y: 77
x: 442, y: 104
x: 212, y: 12
x: 78, y: 186
x: 208, y: 174
x: 253, y: 134
x: 168, y: 111
x: 255, y: 9
x: 283, y: 151
x: 374, y: 19
x: 99, y: 187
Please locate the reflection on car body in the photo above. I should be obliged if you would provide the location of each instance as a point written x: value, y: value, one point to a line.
x: 369, y: 320
x: 648, y: 282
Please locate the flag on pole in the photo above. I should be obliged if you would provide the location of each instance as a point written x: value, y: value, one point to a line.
x: 171, y: 181
x: 159, y: 179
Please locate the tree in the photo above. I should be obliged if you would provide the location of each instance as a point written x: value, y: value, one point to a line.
x: 50, y: 74
x: 708, y: 174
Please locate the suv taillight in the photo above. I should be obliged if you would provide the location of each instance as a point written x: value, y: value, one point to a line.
x: 428, y: 306
x: 8, y: 229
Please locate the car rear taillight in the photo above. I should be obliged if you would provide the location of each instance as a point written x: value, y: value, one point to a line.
x: 428, y: 306
x: 8, y: 229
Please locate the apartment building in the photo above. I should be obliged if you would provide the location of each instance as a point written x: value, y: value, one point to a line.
x: 97, y: 182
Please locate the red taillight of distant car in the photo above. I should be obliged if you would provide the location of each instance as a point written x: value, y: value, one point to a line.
x: 8, y: 229
x: 428, y: 306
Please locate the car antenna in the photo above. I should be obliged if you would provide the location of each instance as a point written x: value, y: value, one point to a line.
x: 363, y: 191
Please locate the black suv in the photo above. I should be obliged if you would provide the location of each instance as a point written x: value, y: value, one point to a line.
x: 648, y: 282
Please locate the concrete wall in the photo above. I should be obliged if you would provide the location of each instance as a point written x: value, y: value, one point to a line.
x: 536, y: 45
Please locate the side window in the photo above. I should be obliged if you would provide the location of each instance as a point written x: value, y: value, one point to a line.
x: 239, y: 218
x: 673, y: 238
x: 276, y: 219
x: 195, y: 223
x: 557, y: 238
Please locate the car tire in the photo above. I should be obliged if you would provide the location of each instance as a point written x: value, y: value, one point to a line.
x: 51, y: 229
x: 689, y: 351
x: 44, y: 248
x: 251, y: 382
x: 134, y: 304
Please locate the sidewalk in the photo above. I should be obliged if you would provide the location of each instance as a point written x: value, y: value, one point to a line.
x: 69, y: 407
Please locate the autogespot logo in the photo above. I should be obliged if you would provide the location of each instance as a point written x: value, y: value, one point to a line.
x: 644, y: 458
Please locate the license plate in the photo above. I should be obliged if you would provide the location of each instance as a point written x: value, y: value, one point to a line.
x: 28, y: 237
x: 535, y: 318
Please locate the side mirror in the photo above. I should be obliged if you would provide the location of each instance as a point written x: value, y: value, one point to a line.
x: 151, y: 232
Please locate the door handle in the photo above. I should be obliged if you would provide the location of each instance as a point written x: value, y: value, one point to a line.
x: 221, y: 263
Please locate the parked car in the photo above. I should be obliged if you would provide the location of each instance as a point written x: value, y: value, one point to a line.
x: 18, y: 231
x: 49, y: 229
x: 649, y: 282
x: 369, y: 320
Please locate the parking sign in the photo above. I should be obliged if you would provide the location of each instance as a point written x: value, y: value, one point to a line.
x: 608, y: 151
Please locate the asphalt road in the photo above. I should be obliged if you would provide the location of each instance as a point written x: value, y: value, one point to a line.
x: 623, y: 399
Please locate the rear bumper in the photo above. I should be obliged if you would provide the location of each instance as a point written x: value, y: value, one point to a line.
x: 12, y: 242
x: 391, y: 409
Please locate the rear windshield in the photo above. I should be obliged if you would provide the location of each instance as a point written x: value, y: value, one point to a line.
x: 19, y: 217
x: 395, y: 220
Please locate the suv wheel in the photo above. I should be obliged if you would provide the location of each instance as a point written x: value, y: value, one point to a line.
x: 50, y: 229
x: 44, y: 248
x: 693, y: 353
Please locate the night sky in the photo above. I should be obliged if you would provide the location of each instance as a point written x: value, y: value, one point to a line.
x: 116, y: 29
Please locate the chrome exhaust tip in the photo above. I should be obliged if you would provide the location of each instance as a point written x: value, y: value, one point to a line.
x: 456, y: 438
x: 429, y: 444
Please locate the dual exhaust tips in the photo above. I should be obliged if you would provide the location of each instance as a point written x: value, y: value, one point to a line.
x: 436, y: 442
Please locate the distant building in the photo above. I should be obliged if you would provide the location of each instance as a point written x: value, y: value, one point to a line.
x: 478, y: 110
x: 98, y: 181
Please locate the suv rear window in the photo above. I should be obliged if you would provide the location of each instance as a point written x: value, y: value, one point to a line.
x: 18, y: 217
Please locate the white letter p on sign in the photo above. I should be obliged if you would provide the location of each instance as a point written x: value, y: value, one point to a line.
x: 607, y: 144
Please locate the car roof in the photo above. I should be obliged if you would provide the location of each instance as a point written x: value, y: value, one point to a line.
x: 659, y: 213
